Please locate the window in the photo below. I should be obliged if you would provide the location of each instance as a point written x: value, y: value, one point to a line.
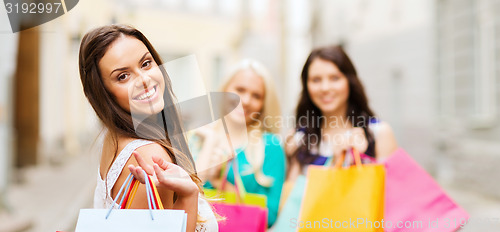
x: 483, y: 109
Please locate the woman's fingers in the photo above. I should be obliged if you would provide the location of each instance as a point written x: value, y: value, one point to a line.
x: 131, y: 168
x: 137, y: 172
x: 169, y: 169
x: 165, y: 174
x: 176, y: 179
x: 147, y: 167
x: 162, y: 163
x: 159, y: 173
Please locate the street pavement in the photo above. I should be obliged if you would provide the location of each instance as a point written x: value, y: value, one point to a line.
x: 51, y: 195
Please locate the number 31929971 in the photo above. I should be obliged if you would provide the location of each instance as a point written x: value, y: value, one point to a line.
x: 33, y: 8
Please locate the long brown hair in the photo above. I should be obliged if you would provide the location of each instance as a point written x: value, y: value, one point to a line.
x: 117, y: 120
x: 308, y: 114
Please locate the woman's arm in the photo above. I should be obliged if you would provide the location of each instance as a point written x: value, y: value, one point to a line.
x: 140, y: 200
x: 293, y: 170
x: 146, y: 159
x: 276, y: 156
x: 292, y: 142
x: 209, y: 154
x: 206, y: 162
x: 385, y: 141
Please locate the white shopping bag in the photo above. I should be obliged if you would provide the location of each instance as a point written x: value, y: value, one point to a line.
x: 131, y: 220
x: 154, y: 219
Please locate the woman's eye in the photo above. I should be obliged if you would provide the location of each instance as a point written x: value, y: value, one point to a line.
x: 146, y: 64
x: 122, y: 77
x: 315, y: 80
x: 240, y: 90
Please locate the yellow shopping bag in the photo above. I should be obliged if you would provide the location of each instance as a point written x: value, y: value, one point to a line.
x: 231, y: 197
x: 343, y: 199
x: 240, y: 196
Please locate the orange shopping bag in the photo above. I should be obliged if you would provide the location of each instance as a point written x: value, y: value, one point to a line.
x: 343, y: 199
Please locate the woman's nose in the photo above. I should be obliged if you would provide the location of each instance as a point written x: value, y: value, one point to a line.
x: 325, y: 85
x: 143, y: 81
x: 245, y: 99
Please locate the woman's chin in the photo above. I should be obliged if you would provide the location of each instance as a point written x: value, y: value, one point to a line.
x: 329, y: 110
x: 236, y: 119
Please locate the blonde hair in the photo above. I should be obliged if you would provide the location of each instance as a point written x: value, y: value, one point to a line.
x: 255, y: 150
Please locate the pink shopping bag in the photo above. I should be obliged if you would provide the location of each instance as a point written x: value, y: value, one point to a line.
x: 414, y: 201
x: 241, y: 218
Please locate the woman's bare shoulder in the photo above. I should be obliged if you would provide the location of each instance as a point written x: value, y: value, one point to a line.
x: 385, y: 139
x: 153, y: 149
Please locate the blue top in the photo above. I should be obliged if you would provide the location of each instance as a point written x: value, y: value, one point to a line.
x: 274, y: 167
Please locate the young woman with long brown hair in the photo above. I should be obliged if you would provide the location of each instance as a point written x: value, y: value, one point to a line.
x: 333, y: 114
x: 130, y: 92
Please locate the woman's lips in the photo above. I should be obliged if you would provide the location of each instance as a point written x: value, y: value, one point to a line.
x: 147, y: 95
x: 327, y: 99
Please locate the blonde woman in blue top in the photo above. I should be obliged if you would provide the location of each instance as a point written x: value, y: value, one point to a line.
x: 261, y: 163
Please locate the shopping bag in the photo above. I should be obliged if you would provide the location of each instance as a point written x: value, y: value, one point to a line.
x: 131, y: 220
x: 241, y: 216
x: 154, y: 219
x: 230, y: 197
x: 288, y: 215
x: 240, y: 196
x: 414, y: 201
x: 343, y: 199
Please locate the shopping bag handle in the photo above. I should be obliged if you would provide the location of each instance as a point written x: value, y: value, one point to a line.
x: 154, y: 201
x: 129, y: 197
x: 354, y: 152
x: 238, y: 182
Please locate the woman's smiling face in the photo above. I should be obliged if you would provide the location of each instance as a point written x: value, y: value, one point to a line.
x: 251, y: 90
x: 328, y: 87
x: 132, y: 76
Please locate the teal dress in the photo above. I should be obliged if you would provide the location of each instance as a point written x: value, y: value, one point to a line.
x: 274, y: 167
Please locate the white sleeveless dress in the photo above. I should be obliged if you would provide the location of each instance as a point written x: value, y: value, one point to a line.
x: 102, y: 199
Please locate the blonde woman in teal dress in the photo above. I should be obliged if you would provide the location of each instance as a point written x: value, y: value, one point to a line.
x: 261, y: 160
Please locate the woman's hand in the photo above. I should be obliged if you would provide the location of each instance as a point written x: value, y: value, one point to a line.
x: 207, y: 134
x: 172, y: 177
x: 293, y: 141
x: 213, y: 153
x: 166, y: 175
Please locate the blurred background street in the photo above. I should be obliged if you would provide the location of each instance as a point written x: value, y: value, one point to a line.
x: 429, y: 68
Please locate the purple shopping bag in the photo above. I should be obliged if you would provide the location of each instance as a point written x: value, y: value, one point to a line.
x: 241, y: 218
x: 414, y: 201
